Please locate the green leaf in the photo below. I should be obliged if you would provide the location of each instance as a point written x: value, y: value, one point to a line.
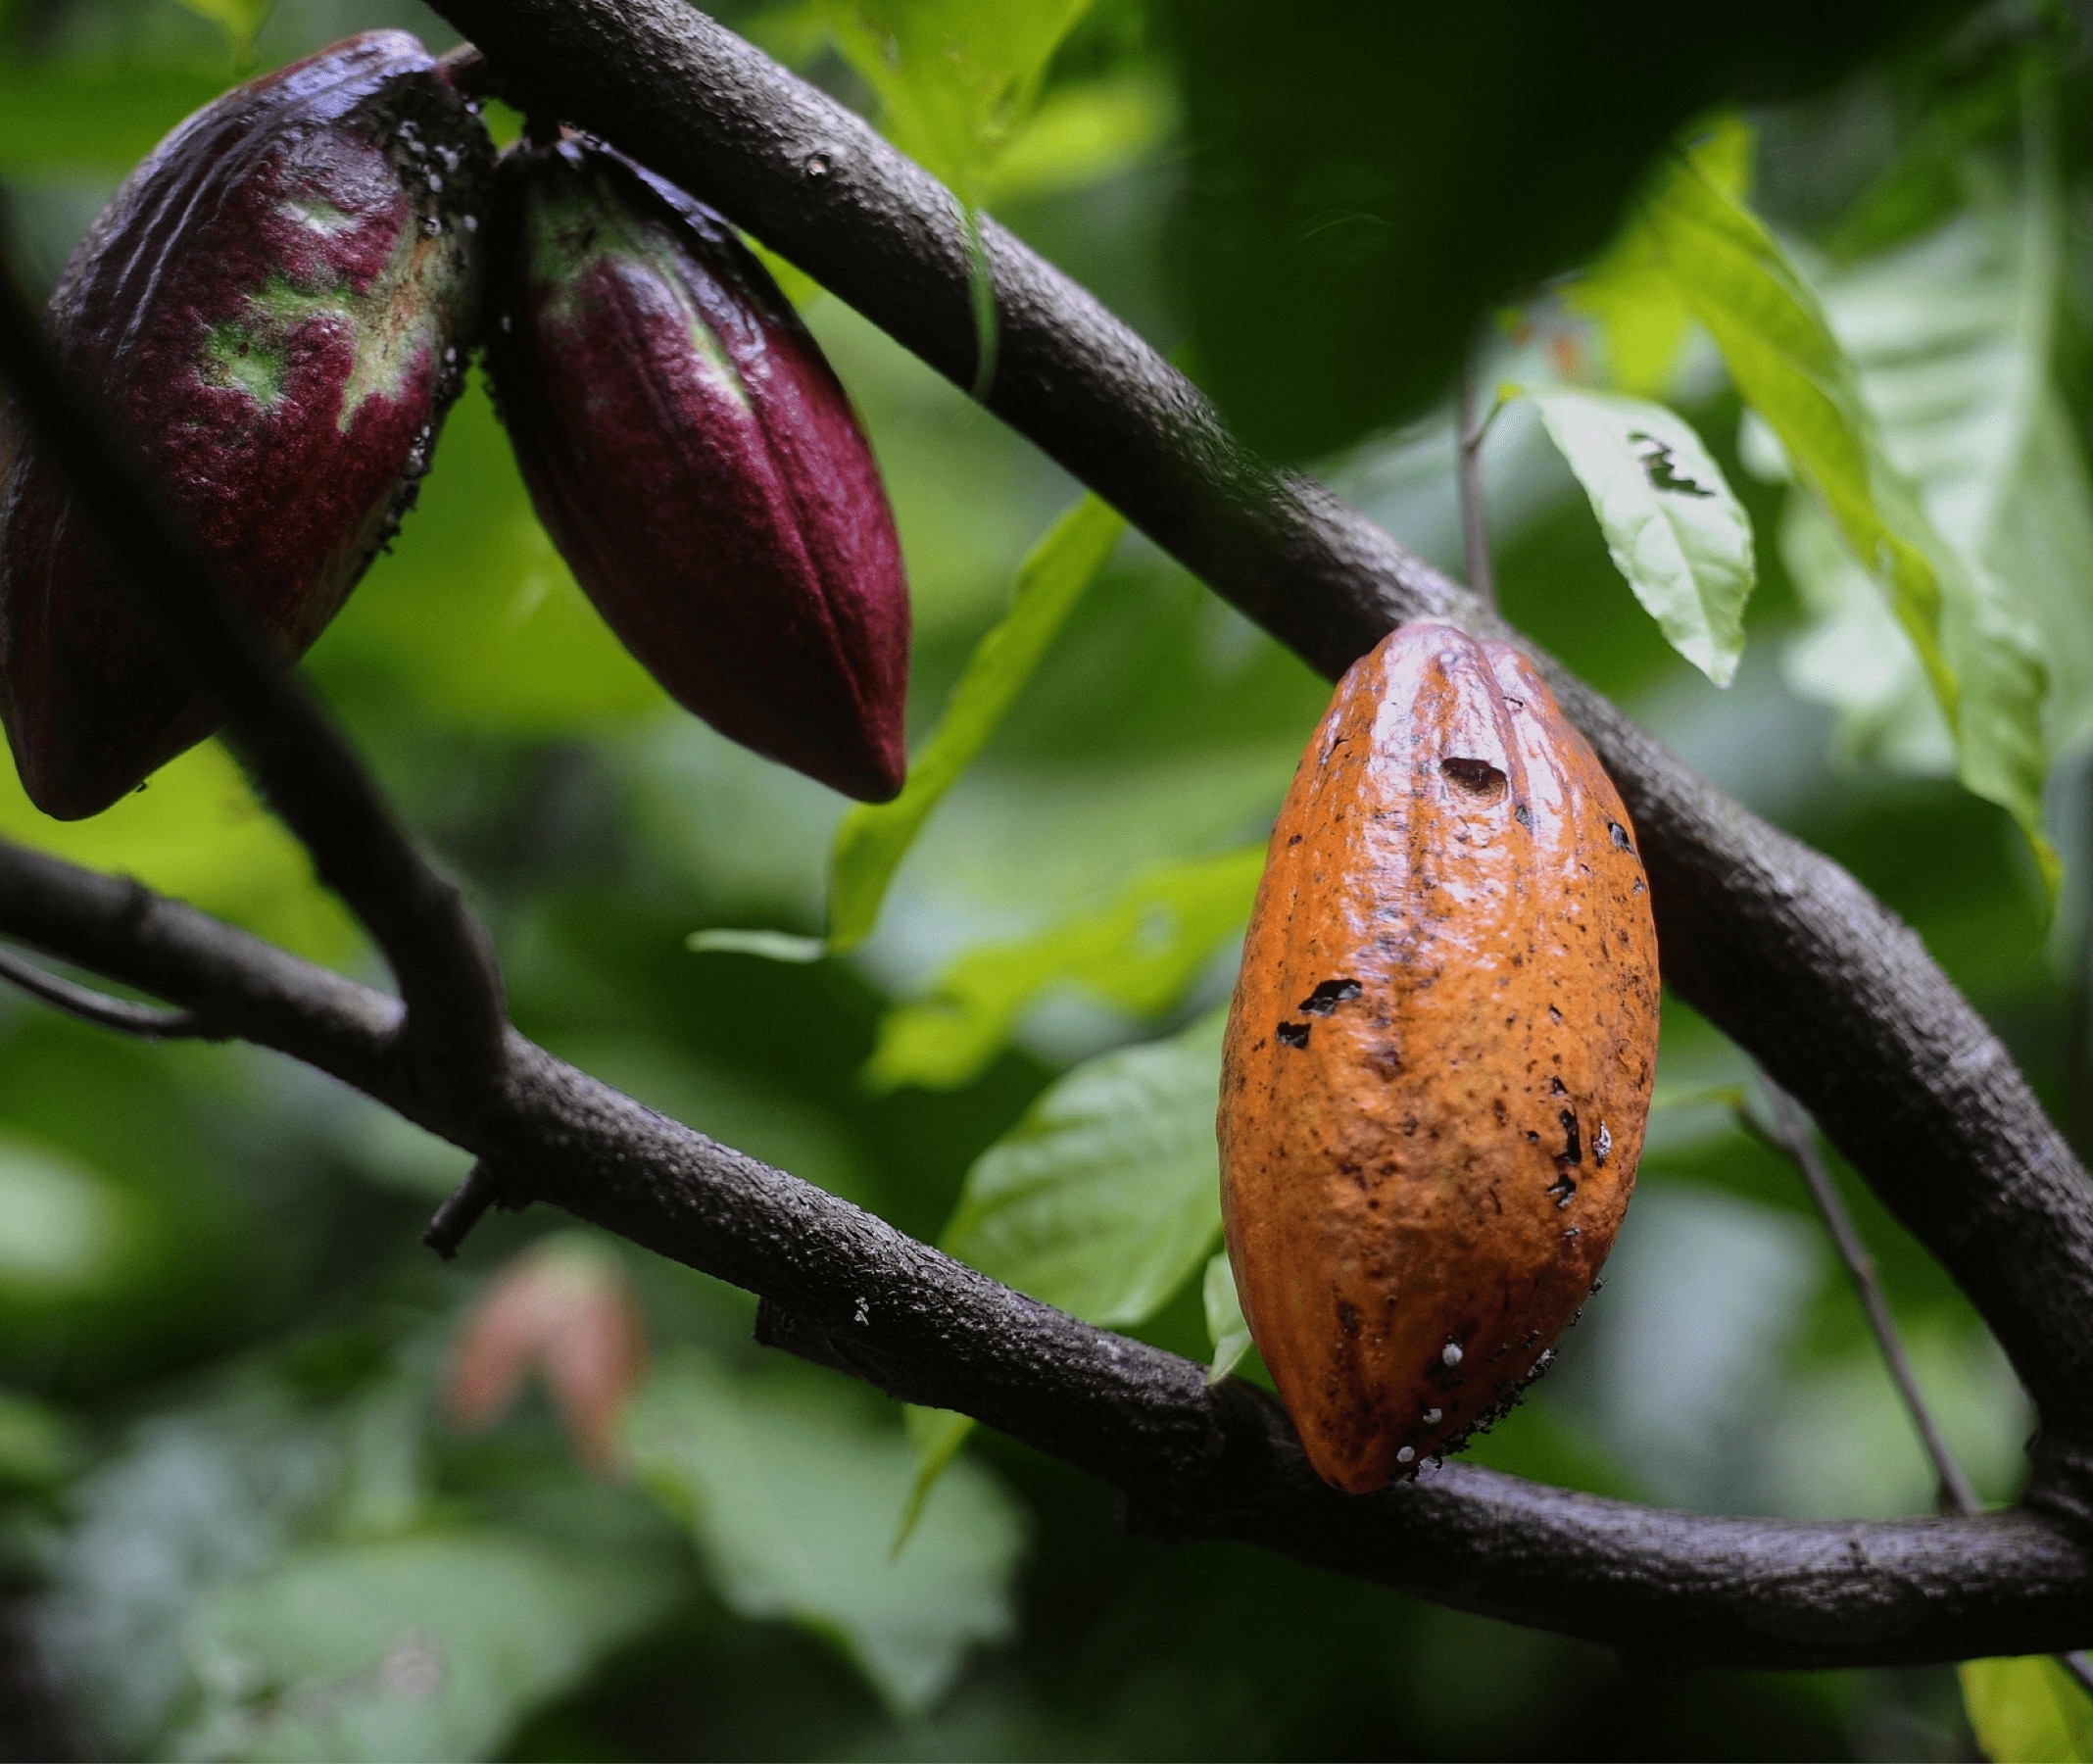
x: 937, y: 1436
x: 1082, y: 135
x: 39, y: 1448
x: 66, y: 120
x: 1106, y: 1196
x: 792, y: 1499
x: 873, y: 839
x: 1140, y: 951
x: 431, y: 1646
x: 956, y: 78
x: 240, y: 19
x: 1636, y: 305
x: 1676, y: 530
x: 2027, y: 1711
x: 1982, y: 659
x: 1225, y: 1325
x: 773, y: 946
x: 195, y: 830
x: 1952, y: 337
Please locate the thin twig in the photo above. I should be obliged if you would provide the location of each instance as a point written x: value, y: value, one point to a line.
x: 93, y: 1006
x: 1469, y: 431
x: 462, y: 1208
x: 457, y: 1020
x: 1794, y: 1135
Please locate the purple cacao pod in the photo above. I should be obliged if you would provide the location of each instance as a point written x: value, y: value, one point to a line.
x: 699, y: 466
x: 276, y: 306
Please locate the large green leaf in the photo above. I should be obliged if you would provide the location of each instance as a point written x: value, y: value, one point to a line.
x: 873, y: 839
x: 1980, y: 655
x: 1641, y: 314
x: 1106, y: 1196
x: 1675, y: 528
x: 2027, y: 1711
x: 432, y: 1647
x: 793, y: 1501
x: 956, y: 78
x: 1952, y: 337
x: 1140, y: 952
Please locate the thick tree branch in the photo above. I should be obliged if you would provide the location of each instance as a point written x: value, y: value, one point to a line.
x: 847, y: 1288
x: 1776, y: 943
x: 312, y: 778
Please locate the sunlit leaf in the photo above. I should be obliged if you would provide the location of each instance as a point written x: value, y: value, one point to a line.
x: 1675, y: 528
x: 1140, y: 952
x: 1952, y: 338
x: 1980, y: 655
x: 1642, y: 316
x: 772, y: 945
x: 956, y: 78
x: 792, y: 1500
x: 240, y: 19
x: 196, y: 831
x: 416, y: 1647
x: 1225, y: 1327
x: 1106, y: 1196
x: 1083, y: 134
x: 873, y: 839
x: 2027, y: 1711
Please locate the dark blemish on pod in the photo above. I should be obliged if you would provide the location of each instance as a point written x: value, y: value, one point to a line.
x: 1328, y: 995
x: 1294, y: 1034
x: 1620, y: 836
x: 1523, y: 815
x: 1573, y: 1145
x: 1601, y: 1144
x: 1476, y: 778
x: 1564, y: 1189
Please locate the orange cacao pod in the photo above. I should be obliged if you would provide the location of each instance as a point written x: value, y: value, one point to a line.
x: 1438, y: 1060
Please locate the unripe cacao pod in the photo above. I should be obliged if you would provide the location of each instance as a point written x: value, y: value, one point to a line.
x: 1438, y: 1060
x: 276, y: 306
x: 697, y: 461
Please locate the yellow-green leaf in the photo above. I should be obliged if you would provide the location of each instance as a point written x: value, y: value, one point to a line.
x: 2027, y: 1711
x: 873, y: 839
x: 1140, y: 951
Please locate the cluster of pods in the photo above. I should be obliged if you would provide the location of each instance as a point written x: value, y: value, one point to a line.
x: 278, y: 304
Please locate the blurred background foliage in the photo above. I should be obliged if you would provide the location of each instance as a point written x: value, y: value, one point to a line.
x: 273, y: 1485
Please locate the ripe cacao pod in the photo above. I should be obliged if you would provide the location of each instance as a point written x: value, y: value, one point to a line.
x: 698, y: 465
x: 274, y: 306
x: 1438, y: 1064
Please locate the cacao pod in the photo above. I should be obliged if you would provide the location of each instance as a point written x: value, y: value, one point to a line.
x: 274, y: 306
x: 698, y: 465
x: 1439, y: 1059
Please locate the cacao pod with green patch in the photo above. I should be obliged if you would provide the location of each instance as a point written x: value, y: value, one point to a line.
x: 275, y: 308
x: 697, y: 462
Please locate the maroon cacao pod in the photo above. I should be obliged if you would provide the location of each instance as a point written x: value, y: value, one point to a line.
x: 276, y: 306
x: 698, y: 465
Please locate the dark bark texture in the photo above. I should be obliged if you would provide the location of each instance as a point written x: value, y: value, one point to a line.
x: 1776, y: 944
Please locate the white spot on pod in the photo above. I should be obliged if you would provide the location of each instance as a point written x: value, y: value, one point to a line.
x: 1406, y: 1455
x: 1450, y: 1354
x: 1433, y: 1417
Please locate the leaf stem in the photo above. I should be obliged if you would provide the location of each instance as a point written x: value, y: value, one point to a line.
x: 1793, y: 1134
x: 1475, y: 522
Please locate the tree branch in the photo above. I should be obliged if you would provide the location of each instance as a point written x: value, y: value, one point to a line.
x: 305, y: 768
x: 1775, y: 943
x: 99, y: 1008
x: 845, y: 1288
